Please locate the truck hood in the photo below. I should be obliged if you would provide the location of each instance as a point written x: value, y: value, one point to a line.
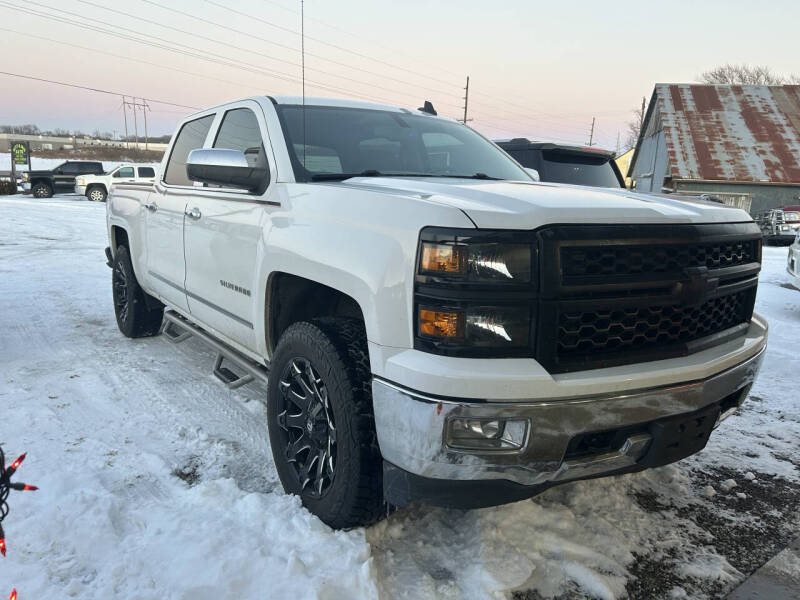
x: 524, y: 205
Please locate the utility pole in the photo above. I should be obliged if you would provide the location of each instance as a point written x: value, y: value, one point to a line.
x: 591, y: 133
x: 145, y: 108
x: 125, y: 114
x: 466, y: 102
x: 135, y: 125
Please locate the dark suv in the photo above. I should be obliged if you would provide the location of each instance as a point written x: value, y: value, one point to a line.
x: 43, y: 184
x: 557, y: 163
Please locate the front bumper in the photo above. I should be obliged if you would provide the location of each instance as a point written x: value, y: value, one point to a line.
x: 80, y: 189
x: 411, y: 433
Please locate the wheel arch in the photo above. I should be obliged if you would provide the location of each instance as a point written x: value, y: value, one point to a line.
x: 291, y: 298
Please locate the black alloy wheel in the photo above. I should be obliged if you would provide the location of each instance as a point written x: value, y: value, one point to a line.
x: 307, y: 429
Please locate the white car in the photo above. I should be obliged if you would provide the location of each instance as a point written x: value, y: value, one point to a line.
x: 432, y: 324
x: 96, y: 187
x: 793, y: 260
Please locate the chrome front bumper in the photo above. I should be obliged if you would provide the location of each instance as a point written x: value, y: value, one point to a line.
x: 80, y: 189
x: 411, y: 428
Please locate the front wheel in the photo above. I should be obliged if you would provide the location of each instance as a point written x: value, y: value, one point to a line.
x: 96, y: 194
x: 320, y: 420
x: 138, y: 315
x: 42, y: 190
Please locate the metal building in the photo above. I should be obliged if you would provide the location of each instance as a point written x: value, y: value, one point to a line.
x: 740, y: 143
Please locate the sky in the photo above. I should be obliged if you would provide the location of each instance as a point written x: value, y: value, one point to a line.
x: 540, y: 70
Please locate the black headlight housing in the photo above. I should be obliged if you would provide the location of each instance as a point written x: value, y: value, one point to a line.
x: 475, y: 292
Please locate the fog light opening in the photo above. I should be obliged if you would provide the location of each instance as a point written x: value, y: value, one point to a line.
x: 486, y: 434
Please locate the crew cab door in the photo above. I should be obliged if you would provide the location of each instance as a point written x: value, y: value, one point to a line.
x: 164, y: 216
x: 224, y: 233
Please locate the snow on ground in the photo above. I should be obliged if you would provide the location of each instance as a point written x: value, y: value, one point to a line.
x: 38, y: 162
x: 156, y: 481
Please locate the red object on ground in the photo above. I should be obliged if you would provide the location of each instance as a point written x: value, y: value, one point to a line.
x: 13, y: 595
x: 2, y: 546
x: 15, y: 465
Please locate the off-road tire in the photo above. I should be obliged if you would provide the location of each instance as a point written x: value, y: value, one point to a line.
x: 138, y: 314
x: 336, y: 348
x: 42, y: 190
x: 96, y: 193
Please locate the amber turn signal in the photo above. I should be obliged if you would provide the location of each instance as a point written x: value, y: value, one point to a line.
x: 441, y: 324
x: 444, y: 258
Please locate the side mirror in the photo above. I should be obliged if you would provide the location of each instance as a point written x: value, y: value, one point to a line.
x: 230, y: 168
x: 533, y: 173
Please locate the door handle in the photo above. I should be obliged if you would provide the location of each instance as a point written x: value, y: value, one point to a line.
x: 194, y: 213
x: 152, y: 206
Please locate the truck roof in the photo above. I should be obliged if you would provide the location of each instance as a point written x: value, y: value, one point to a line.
x: 526, y: 143
x: 340, y: 102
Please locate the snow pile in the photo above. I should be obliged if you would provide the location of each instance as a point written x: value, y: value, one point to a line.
x: 157, y: 481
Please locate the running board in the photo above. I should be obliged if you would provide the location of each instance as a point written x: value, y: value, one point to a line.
x: 177, y: 329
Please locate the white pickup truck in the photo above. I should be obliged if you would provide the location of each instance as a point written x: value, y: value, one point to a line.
x: 96, y: 187
x: 432, y: 324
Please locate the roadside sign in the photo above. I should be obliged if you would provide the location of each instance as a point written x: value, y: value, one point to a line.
x: 20, y: 155
x: 20, y: 152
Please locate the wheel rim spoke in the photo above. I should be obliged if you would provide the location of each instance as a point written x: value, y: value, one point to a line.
x: 306, y: 418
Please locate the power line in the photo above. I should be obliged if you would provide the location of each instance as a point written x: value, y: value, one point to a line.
x: 341, y: 48
x: 370, y: 41
x: 91, y: 89
x: 290, y: 48
x: 224, y: 61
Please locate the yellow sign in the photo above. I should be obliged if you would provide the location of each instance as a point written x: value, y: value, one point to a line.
x: 20, y: 154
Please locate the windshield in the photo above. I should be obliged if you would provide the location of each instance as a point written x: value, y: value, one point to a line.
x: 342, y: 141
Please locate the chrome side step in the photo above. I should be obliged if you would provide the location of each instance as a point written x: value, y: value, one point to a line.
x: 177, y: 329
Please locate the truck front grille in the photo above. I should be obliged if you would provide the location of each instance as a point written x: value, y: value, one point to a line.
x: 586, y: 334
x: 620, y: 260
x: 614, y: 295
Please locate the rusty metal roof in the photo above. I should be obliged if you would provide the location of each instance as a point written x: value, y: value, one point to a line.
x: 730, y: 132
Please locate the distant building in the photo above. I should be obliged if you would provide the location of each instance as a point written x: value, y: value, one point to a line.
x: 48, y: 142
x: 624, y: 164
x: 740, y: 143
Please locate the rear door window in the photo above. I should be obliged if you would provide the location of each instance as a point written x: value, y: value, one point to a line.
x: 124, y: 172
x: 191, y: 136
x: 146, y: 172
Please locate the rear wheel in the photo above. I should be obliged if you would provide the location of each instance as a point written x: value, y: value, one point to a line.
x: 96, y: 194
x: 138, y: 314
x: 42, y: 190
x: 321, y: 426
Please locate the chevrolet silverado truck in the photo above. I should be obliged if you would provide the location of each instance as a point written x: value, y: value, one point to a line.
x: 45, y: 183
x: 95, y: 187
x: 431, y: 323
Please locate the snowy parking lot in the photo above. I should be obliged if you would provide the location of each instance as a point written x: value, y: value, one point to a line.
x: 157, y: 482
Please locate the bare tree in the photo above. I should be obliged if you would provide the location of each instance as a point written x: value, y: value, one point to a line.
x: 635, y: 126
x: 747, y: 75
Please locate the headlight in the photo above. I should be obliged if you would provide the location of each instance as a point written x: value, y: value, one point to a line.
x: 79, y: 180
x: 474, y: 293
x: 464, y: 260
x: 25, y: 176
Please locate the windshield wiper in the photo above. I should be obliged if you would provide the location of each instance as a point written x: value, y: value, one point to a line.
x: 343, y: 176
x: 374, y: 173
x: 473, y: 176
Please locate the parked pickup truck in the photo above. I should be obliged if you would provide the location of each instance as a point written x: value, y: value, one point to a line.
x: 560, y: 163
x: 780, y: 225
x: 432, y: 324
x: 95, y: 187
x: 44, y: 183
